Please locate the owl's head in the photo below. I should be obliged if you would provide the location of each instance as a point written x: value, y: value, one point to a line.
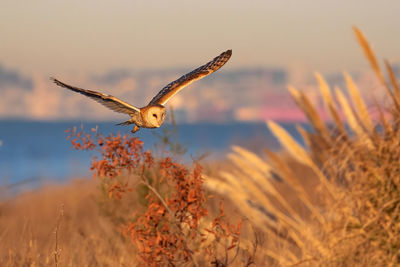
x: 154, y: 115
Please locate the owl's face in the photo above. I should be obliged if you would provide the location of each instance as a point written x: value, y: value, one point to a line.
x: 154, y: 115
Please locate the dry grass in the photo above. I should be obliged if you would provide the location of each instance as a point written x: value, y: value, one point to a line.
x: 78, y: 225
x: 340, y: 206
x: 84, y: 237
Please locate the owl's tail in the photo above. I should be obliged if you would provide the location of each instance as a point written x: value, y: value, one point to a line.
x: 125, y: 122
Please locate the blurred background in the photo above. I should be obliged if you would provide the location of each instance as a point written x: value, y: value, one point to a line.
x: 131, y: 49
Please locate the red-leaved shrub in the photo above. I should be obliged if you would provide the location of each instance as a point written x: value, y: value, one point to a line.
x: 170, y: 230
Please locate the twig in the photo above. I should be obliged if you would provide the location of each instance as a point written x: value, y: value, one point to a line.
x: 146, y: 183
x: 157, y: 195
x: 56, y: 249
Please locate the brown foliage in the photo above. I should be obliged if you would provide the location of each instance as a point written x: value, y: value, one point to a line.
x: 169, y: 231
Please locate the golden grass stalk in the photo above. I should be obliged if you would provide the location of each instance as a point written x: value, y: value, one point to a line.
x: 358, y: 102
x: 329, y: 103
x: 369, y: 54
x: 298, y: 188
x: 298, y: 153
x: 393, y: 79
x: 253, y: 159
x: 260, y: 180
x: 255, y: 190
x: 290, y: 144
x: 374, y: 64
x: 351, y: 118
x: 239, y: 199
x: 311, y: 113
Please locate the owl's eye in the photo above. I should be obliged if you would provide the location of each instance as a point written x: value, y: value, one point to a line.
x: 155, y: 116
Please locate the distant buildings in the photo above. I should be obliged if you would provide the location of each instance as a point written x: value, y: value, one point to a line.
x: 250, y: 94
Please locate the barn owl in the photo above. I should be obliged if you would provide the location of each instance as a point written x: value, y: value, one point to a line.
x: 152, y: 115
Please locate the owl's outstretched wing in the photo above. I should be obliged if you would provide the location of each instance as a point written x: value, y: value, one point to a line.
x: 109, y: 101
x: 174, y: 87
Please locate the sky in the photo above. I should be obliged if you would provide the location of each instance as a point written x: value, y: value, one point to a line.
x: 78, y: 40
x: 92, y: 36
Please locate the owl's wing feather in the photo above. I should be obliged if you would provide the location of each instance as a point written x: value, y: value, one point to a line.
x: 108, y: 101
x: 174, y: 87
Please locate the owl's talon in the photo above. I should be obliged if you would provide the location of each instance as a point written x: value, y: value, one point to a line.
x: 135, y: 129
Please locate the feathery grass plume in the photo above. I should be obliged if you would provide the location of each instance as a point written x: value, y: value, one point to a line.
x: 383, y: 120
x: 369, y: 54
x: 253, y: 158
x: 299, y: 153
x: 298, y: 188
x: 311, y: 113
x: 396, y: 90
x: 329, y: 103
x: 351, y: 118
x: 393, y: 79
x: 262, y: 179
x: 240, y: 199
x: 254, y: 187
x: 316, y: 144
x: 290, y: 144
x: 358, y: 102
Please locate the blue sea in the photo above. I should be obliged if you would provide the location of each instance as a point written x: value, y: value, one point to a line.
x: 36, y: 152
